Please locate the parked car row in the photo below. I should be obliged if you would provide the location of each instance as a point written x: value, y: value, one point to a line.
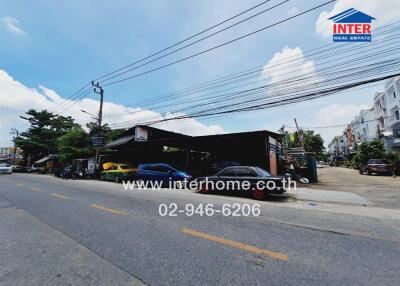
x: 165, y: 174
x: 147, y: 172
x: 9, y: 169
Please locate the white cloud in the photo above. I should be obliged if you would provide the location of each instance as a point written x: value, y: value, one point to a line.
x: 15, y: 98
x: 288, y: 63
x: 335, y: 114
x: 189, y: 126
x: 385, y: 11
x: 11, y: 25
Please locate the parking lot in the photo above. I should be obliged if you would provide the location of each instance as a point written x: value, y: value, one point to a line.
x: 381, y: 191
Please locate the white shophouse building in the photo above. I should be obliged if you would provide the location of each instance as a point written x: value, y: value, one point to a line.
x: 364, y: 126
x: 392, y: 119
x: 381, y: 121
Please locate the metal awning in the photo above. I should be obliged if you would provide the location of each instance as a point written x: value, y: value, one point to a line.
x: 45, y: 159
x: 120, y: 141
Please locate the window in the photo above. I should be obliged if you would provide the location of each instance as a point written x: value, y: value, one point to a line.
x: 377, y: 161
x: 230, y: 172
x: 246, y: 172
x: 147, y: 168
x: 160, y: 168
x: 263, y: 172
x: 124, y: 167
x: 394, y: 94
x: 396, y: 113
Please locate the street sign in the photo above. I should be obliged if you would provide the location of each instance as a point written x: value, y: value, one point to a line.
x: 98, y: 141
x: 141, y: 134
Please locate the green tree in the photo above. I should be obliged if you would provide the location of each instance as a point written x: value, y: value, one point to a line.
x: 41, y: 137
x: 312, y: 142
x: 374, y: 149
x: 394, y: 160
x: 76, y: 143
x: 106, y: 131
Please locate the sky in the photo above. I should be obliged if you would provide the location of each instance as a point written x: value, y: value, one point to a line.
x: 49, y: 49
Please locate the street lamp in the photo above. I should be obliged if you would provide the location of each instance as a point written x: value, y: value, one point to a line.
x: 92, y: 115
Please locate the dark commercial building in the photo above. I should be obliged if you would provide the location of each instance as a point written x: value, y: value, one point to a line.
x: 145, y: 144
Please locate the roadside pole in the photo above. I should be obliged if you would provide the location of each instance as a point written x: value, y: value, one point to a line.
x: 284, y: 143
x: 16, y: 133
x: 99, y: 90
x: 29, y: 161
x: 300, y: 132
x: 379, y: 132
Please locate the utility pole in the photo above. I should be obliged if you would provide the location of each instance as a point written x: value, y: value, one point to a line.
x: 379, y: 132
x: 99, y: 90
x: 300, y: 132
x: 284, y: 143
x: 16, y: 133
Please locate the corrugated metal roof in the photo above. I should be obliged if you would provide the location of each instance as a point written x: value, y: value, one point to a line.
x: 120, y: 141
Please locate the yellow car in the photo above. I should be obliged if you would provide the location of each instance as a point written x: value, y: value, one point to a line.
x: 117, y: 172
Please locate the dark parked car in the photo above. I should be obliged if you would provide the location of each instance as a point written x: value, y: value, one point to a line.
x: 253, y: 175
x: 218, y: 166
x: 377, y: 166
x: 19, y: 169
x: 160, y: 172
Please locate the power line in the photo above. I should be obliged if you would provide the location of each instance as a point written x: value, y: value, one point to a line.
x: 298, y: 81
x: 213, y: 48
x: 195, y: 42
x: 342, y: 92
x: 220, y: 45
x: 73, y: 102
x: 345, y: 124
x: 284, y: 101
x: 185, y: 40
x: 203, y: 98
x: 84, y: 88
x: 224, y: 79
x: 287, y: 91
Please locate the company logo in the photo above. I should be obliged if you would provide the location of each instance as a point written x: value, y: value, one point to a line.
x: 352, y: 26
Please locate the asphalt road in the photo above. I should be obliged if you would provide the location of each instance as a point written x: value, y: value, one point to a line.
x: 57, y: 232
x: 382, y: 191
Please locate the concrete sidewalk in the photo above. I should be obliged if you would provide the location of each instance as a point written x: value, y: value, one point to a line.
x: 315, y: 195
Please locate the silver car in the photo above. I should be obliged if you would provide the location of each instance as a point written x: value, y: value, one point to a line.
x: 5, y: 169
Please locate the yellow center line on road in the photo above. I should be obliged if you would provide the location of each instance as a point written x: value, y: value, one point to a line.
x: 60, y: 197
x: 235, y: 244
x: 110, y: 210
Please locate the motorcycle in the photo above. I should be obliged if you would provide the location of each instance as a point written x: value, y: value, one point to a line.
x: 291, y: 173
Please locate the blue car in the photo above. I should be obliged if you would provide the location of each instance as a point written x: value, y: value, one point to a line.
x: 160, y: 172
